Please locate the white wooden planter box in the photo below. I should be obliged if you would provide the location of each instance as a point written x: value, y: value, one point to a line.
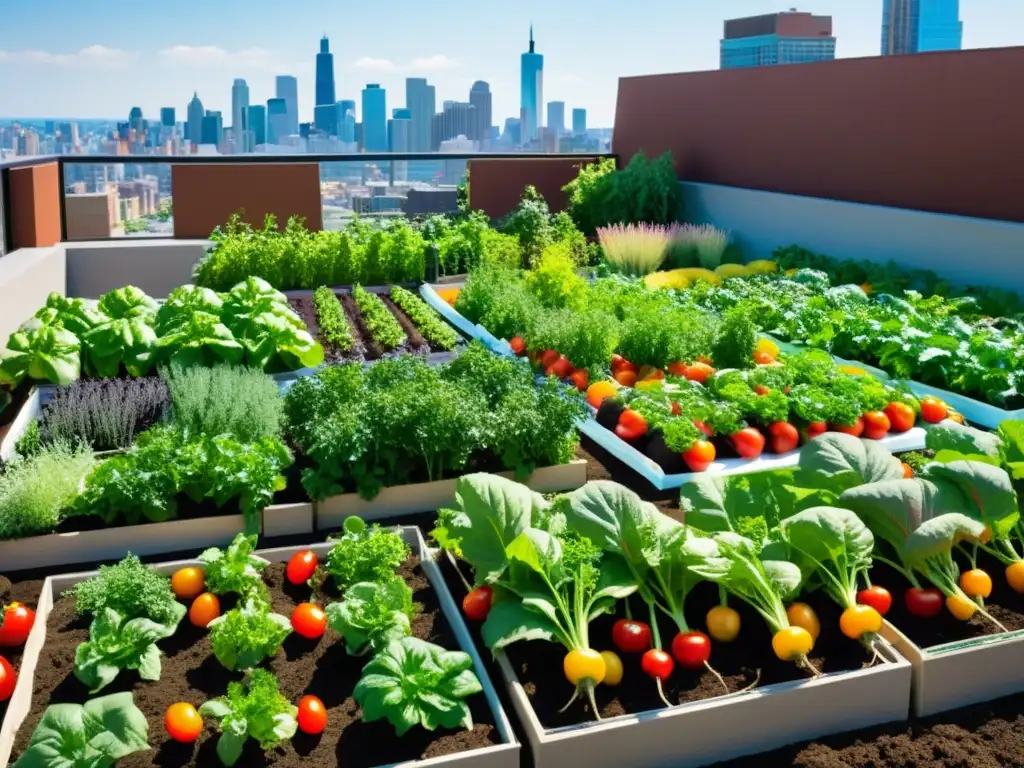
x: 145, y: 539
x: 428, y: 497
x: 504, y: 755
x: 964, y: 672
x: 31, y: 409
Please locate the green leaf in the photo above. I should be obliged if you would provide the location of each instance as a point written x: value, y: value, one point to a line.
x: 254, y: 708
x: 714, y: 504
x: 236, y: 569
x: 1012, y: 435
x: 938, y: 535
x: 43, y: 354
x: 987, y: 492
x: 846, y: 461
x: 246, y: 635
x: 948, y: 435
x: 510, y: 621
x: 539, y: 551
x: 372, y: 615
x: 116, y: 643
x: 833, y: 543
x: 230, y: 745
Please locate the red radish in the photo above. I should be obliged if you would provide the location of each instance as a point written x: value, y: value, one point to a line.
x: 657, y: 664
x: 691, y: 649
x: 877, y: 598
x: 923, y: 603
x: 631, y: 636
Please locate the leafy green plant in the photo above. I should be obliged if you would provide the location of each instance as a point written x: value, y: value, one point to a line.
x: 29, y: 443
x: 554, y: 280
x: 372, y: 615
x: 496, y: 298
x: 36, y: 491
x: 244, y: 636
x: 429, y: 323
x: 254, y: 709
x: 735, y: 339
x: 587, y: 338
x: 412, y: 682
x: 131, y: 589
x: 243, y: 403
x: 42, y: 353
x: 364, y: 554
x: 117, y: 643
x: 382, y: 325
x: 76, y: 315
x: 96, y: 734
x: 531, y: 223
x: 201, y: 339
x: 236, y: 569
x: 330, y: 318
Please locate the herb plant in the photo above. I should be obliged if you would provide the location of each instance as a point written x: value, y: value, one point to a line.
x: 365, y: 553
x: 243, y: 403
x: 331, y: 320
x: 117, y: 643
x: 244, y: 636
x: 35, y: 492
x: 382, y: 325
x: 131, y: 589
x: 429, y: 323
x: 235, y: 570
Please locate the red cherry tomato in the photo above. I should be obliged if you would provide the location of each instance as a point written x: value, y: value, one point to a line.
x: 691, y: 649
x: 518, y: 345
x: 901, y: 416
x: 8, y: 679
x: 700, y: 456
x: 631, y: 636
x: 876, y: 425
x: 784, y: 437
x: 18, y: 621
x: 477, y: 604
x: 748, y: 442
x: 658, y: 664
x: 312, y: 715
x: 856, y: 429
x: 816, y: 428
x: 548, y: 358
x: 301, y: 567
x: 933, y: 410
x: 877, y: 598
x: 703, y: 427
x: 923, y: 603
x: 309, y: 620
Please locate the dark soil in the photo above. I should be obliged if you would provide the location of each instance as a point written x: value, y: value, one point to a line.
x: 304, y: 308
x: 26, y: 592
x: 323, y: 668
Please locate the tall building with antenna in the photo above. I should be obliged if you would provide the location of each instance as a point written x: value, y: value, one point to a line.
x: 532, y: 103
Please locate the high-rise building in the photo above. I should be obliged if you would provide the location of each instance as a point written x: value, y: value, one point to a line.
x: 400, y: 140
x: 346, y: 120
x: 167, y: 117
x: 213, y: 127
x: 579, y: 122
x: 532, y: 101
x: 288, y: 89
x: 915, y: 26
x: 457, y: 118
x: 239, y: 105
x: 556, y: 117
x: 256, y: 121
x: 325, y: 118
x: 135, y: 121
x: 420, y: 100
x: 194, y: 126
x: 791, y: 37
x: 324, y: 74
x: 375, y: 119
x: 278, y: 127
x: 480, y: 98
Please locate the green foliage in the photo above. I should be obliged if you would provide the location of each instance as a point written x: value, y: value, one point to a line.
x: 41, y: 354
x: 28, y: 444
x: 372, y: 615
x: 587, y: 339
x: 253, y: 709
x: 496, y: 298
x: 117, y: 643
x: 96, y: 734
x: 382, y: 325
x: 236, y: 570
x: 248, y: 634
x: 423, y: 316
x: 413, y: 682
x: 242, y: 403
x: 531, y: 223
x: 554, y: 280
x: 330, y: 317
x: 365, y: 554
x: 735, y: 339
x: 36, y: 491
x: 131, y: 589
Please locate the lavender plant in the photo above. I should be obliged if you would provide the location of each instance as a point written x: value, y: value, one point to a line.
x: 105, y: 415
x: 636, y: 249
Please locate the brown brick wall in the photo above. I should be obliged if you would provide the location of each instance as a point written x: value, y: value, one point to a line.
x: 34, y: 206
x: 497, y: 184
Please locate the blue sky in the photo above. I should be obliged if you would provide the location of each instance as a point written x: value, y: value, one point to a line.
x: 82, y: 59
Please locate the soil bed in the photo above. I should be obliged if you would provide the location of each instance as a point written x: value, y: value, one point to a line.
x: 304, y: 308
x: 26, y: 592
x: 191, y: 673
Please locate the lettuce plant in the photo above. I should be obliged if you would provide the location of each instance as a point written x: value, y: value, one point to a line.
x: 365, y: 554
x: 236, y: 569
x: 412, y: 682
x: 45, y: 353
x: 253, y: 709
x: 96, y: 734
x: 117, y: 643
x: 372, y: 615
x: 244, y: 636
x: 76, y: 315
x: 131, y: 589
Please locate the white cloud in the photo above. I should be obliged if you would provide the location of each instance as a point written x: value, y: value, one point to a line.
x: 93, y: 55
x: 370, y: 64
x: 215, y: 56
x: 433, y: 63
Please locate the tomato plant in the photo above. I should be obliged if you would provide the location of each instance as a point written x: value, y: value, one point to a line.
x: 205, y: 609
x: 876, y: 425
x: 477, y: 603
x: 301, y: 567
x: 187, y: 583
x: 657, y: 664
x: 700, y: 456
x: 923, y: 603
x: 8, y: 679
x: 309, y: 620
x: 877, y: 597
x: 901, y: 416
x: 312, y: 715
x: 18, y: 621
x: 631, y: 636
x: 933, y: 410
x: 748, y: 442
x: 691, y: 649
x: 183, y: 722
x: 784, y: 437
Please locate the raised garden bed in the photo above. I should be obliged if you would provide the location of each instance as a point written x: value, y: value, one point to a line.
x: 320, y: 667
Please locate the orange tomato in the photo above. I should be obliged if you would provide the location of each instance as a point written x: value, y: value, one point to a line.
x: 908, y: 471
x: 901, y: 416
x: 599, y: 391
x: 700, y: 372
x: 763, y: 358
x: 186, y: 583
x: 183, y: 722
x: 876, y: 425
x: 677, y: 369
x: 626, y: 377
x: 700, y: 456
x: 933, y: 410
x: 205, y: 609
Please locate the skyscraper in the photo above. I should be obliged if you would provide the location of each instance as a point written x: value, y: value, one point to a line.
x: 239, y: 105
x: 375, y: 119
x: 288, y: 89
x: 556, y: 117
x: 346, y: 120
x: 256, y: 121
x: 457, y: 118
x: 914, y: 26
x: 791, y: 37
x: 213, y: 127
x: 532, y: 101
x: 324, y: 74
x: 480, y: 98
x: 420, y: 100
x: 194, y: 126
x: 325, y: 118
x: 167, y: 117
x: 277, y: 121
x: 579, y: 122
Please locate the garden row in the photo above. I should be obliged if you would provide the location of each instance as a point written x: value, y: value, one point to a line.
x: 159, y: 464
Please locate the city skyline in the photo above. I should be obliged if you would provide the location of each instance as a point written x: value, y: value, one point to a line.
x: 65, y: 70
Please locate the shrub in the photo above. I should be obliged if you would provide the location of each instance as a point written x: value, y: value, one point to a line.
x: 554, y: 280
x: 225, y: 400
x: 531, y: 223
x: 497, y: 298
x: 132, y: 589
x: 635, y: 249
x: 104, y: 415
x: 587, y: 339
x: 35, y: 491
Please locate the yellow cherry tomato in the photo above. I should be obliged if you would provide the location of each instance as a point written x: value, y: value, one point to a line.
x: 859, y: 620
x: 186, y: 583
x: 723, y: 623
x: 960, y: 607
x: 976, y: 583
x: 792, y: 642
x: 1015, y: 576
x: 767, y: 346
x: 802, y: 615
x: 584, y: 664
x: 612, y: 668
